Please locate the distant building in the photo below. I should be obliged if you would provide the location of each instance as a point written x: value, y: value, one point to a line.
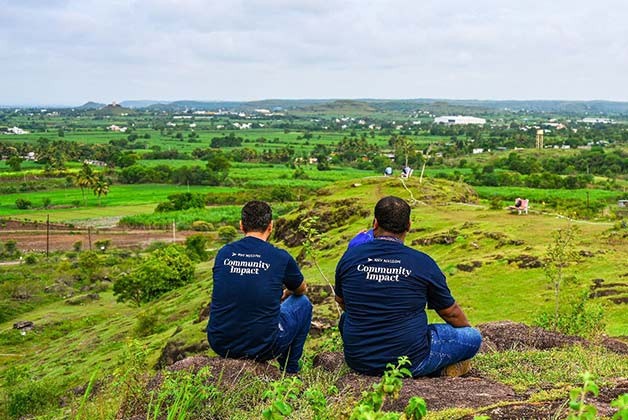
x: 478, y: 151
x: 591, y: 120
x: 16, y: 130
x: 459, y: 120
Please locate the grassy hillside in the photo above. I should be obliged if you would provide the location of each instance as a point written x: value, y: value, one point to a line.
x: 483, y: 253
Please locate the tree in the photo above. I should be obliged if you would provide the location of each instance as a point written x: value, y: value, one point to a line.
x: 84, y: 178
x: 15, y: 163
x: 218, y: 166
x: 100, y: 186
x: 196, y: 245
x: 166, y: 269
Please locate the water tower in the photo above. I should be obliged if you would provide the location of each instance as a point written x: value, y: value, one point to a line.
x: 539, y: 139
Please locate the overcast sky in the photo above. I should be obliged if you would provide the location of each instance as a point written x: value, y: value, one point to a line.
x: 73, y: 51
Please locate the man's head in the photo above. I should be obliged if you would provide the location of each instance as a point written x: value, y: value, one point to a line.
x: 393, y: 215
x: 256, y: 216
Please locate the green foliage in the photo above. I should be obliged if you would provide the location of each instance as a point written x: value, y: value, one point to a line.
x: 560, y: 253
x: 196, y: 247
x: 580, y: 410
x: 621, y: 404
x: 182, y: 395
x: 31, y: 259
x: 282, y: 394
x: 182, y: 201
x: 164, y: 270
x: 579, y: 317
x: 23, y: 203
x: 147, y: 323
x: 202, y: 226
x: 25, y: 395
x: 227, y: 234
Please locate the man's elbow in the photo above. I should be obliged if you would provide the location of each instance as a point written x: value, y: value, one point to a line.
x: 301, y: 290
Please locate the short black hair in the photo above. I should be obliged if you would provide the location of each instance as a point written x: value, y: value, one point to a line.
x: 256, y: 216
x: 393, y: 214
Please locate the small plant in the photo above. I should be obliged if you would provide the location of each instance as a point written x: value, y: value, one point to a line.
x: 46, y: 202
x: 580, y: 410
x: 282, y: 394
x: 621, y: 404
x: 372, y: 402
x: 560, y: 253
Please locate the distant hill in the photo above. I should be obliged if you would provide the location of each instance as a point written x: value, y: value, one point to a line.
x: 91, y: 105
x: 370, y: 105
x: 114, y: 109
x: 141, y: 103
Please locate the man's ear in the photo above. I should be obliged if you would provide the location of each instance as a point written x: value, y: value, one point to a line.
x: 242, y: 227
x: 409, y: 225
x: 375, y: 224
x: 269, y: 229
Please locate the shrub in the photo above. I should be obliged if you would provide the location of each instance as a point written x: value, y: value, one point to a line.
x: 227, y: 233
x: 202, y: 226
x: 147, y: 323
x: 46, y: 202
x: 165, y: 270
x: 195, y: 246
x: 22, y: 203
x: 31, y: 259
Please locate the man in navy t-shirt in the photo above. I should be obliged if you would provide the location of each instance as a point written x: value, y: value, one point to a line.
x: 247, y: 316
x: 384, y: 287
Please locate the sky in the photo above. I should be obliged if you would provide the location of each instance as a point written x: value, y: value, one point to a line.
x: 68, y: 52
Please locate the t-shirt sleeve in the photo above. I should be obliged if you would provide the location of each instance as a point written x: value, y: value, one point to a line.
x: 438, y: 293
x: 292, y: 277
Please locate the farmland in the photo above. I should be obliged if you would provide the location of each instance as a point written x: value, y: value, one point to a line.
x: 116, y: 199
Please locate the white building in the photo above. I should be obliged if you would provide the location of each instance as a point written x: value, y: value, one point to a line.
x: 459, y: 120
x: 590, y: 120
x: 16, y: 130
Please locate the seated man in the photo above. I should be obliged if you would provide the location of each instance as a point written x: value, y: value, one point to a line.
x: 247, y: 318
x: 384, y: 286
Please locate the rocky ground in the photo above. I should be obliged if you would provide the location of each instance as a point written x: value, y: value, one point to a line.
x: 486, y: 396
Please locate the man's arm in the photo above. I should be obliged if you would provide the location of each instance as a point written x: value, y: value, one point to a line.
x: 454, y: 316
x: 297, y: 292
x: 340, y: 301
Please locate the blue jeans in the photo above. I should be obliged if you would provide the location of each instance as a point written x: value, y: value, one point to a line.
x: 294, y: 325
x: 448, y: 345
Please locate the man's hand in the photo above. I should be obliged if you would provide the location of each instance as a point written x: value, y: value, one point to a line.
x: 454, y: 316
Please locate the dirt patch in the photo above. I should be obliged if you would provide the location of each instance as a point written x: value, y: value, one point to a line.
x: 32, y: 237
x: 440, y: 239
x: 523, y: 410
x: 507, y: 335
x: 470, y: 266
x: 438, y: 393
x: 619, y: 301
x: 526, y: 261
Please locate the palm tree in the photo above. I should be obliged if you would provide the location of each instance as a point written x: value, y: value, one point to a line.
x: 84, y: 179
x: 100, y: 186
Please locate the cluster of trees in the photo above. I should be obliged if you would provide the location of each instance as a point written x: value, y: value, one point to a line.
x: 594, y: 161
x: 215, y: 172
x: 229, y: 140
x: 87, y: 179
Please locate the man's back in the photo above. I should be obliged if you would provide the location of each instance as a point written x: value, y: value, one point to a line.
x: 385, y: 287
x: 248, y: 279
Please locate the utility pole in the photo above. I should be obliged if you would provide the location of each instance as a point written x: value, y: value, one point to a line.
x: 89, y: 236
x: 47, y: 236
x: 174, y: 231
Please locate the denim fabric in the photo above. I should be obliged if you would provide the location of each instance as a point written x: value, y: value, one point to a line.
x: 448, y: 345
x: 294, y: 324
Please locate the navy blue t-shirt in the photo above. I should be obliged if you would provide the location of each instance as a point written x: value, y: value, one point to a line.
x: 386, y: 286
x: 244, y: 314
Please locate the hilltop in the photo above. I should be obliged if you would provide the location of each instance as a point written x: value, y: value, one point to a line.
x: 493, y: 261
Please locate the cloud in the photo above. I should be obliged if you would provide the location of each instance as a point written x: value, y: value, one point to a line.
x: 71, y: 51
